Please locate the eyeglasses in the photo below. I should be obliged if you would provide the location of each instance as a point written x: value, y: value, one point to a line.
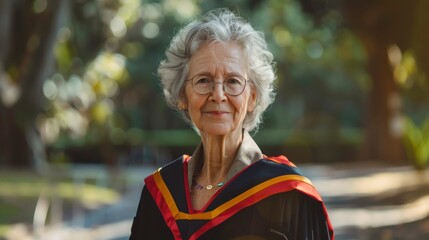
x: 233, y: 85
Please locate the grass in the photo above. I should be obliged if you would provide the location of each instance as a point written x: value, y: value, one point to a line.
x: 3, y: 230
x: 85, y: 193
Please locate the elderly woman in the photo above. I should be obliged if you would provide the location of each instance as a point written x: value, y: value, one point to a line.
x: 219, y: 74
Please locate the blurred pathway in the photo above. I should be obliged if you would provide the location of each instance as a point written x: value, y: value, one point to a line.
x: 375, y: 202
x: 358, y: 198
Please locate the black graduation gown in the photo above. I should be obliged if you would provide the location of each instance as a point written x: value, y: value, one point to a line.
x: 270, y: 199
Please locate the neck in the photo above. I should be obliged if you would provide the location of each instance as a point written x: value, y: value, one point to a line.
x: 219, y: 154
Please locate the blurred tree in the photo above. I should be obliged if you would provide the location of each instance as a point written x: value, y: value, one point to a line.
x: 110, y: 44
x: 28, y: 31
x: 54, y: 79
x: 321, y: 78
x: 385, y: 27
x: 82, y: 114
x: 71, y: 93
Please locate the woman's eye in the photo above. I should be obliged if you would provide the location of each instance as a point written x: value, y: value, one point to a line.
x: 202, y: 80
x: 234, y: 80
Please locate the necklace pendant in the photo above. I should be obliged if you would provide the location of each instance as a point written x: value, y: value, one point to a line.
x: 209, y: 187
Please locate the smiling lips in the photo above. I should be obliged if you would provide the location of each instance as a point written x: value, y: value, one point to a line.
x: 216, y: 113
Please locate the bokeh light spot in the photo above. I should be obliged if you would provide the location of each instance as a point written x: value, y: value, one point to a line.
x: 150, y: 30
x: 315, y: 50
x: 282, y: 36
x: 118, y: 27
x: 40, y: 6
x: 50, y: 90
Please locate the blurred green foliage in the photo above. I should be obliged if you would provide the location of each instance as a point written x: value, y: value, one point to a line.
x: 113, y: 92
x: 105, y: 95
x: 416, y: 139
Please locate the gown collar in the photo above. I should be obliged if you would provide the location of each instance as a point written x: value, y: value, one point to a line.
x: 247, y: 154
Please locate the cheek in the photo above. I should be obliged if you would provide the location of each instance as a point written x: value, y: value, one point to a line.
x: 190, y: 99
x: 246, y: 103
x: 195, y: 103
x: 241, y: 107
x: 251, y: 100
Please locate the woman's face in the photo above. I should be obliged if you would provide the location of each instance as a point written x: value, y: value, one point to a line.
x: 218, y: 113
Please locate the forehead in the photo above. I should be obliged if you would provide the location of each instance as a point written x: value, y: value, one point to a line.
x: 218, y: 57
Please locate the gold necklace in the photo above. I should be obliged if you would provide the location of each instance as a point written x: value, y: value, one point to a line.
x: 208, y: 187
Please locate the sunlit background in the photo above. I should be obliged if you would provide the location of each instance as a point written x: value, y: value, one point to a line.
x: 83, y: 119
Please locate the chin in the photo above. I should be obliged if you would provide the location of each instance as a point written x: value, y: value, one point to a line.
x: 218, y: 130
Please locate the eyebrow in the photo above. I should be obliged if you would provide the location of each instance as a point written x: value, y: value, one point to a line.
x: 211, y: 75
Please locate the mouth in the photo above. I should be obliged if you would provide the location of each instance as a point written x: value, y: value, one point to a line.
x: 216, y: 113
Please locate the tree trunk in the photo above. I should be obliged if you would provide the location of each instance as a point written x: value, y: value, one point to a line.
x: 7, y: 124
x: 20, y: 143
x: 382, y: 135
x: 380, y: 24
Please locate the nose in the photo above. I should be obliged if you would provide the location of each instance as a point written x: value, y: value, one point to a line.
x: 218, y: 93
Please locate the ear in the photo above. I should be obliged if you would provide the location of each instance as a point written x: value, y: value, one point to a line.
x: 251, y: 104
x: 182, y: 105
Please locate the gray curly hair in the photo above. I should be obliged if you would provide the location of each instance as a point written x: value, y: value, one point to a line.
x: 219, y: 25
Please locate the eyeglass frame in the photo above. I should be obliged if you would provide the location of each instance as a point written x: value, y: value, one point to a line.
x: 214, y: 83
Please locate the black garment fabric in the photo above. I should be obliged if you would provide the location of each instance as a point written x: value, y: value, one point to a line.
x: 292, y: 214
